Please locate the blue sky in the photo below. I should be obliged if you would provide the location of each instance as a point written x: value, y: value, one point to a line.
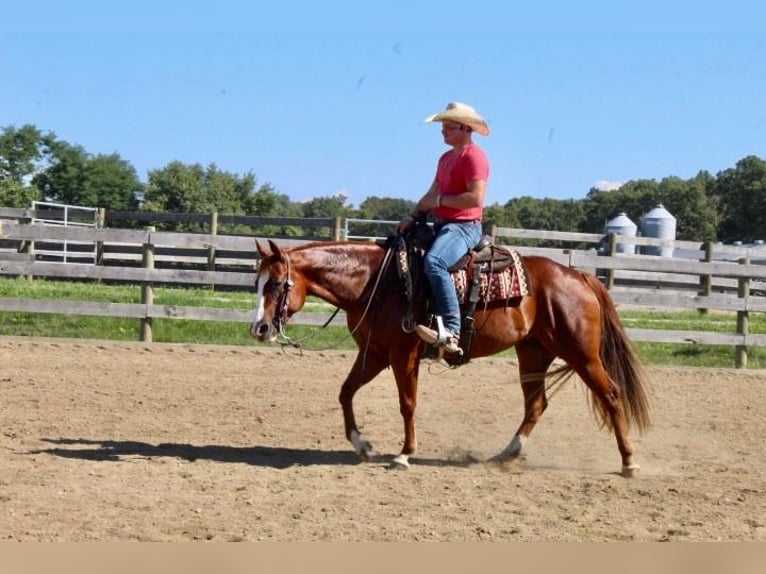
x: 320, y: 98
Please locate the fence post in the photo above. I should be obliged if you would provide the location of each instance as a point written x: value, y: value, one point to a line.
x: 611, y: 251
x: 100, y: 223
x: 27, y: 246
x: 743, y: 327
x: 211, y: 249
x: 147, y: 288
x: 337, y: 229
x: 706, y: 281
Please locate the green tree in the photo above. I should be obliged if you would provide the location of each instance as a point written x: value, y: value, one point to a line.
x: 267, y: 202
x: 379, y: 209
x: 110, y: 182
x: 22, y: 155
x: 182, y: 188
x: 740, y: 194
x: 384, y: 208
x: 14, y: 194
x: 330, y: 206
x: 499, y: 216
x: 688, y: 202
x: 76, y: 178
x: 21, y: 151
x: 546, y: 214
x: 549, y: 214
x: 48, y: 168
x: 325, y: 208
x: 64, y: 179
x: 633, y: 198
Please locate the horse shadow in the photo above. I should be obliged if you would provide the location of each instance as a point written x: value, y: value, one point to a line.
x: 263, y: 456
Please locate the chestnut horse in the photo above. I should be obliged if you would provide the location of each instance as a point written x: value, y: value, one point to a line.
x: 568, y: 315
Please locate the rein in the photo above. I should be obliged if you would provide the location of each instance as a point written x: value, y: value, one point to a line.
x: 282, y: 308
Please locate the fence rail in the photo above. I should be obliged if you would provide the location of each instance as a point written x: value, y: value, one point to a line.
x: 722, y: 278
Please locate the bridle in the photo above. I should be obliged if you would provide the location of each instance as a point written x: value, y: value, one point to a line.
x: 283, y: 303
x: 280, y: 316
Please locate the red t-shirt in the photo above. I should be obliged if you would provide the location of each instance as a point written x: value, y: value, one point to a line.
x: 454, y: 171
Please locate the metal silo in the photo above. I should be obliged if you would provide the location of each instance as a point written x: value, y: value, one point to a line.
x: 661, y: 224
x: 622, y: 225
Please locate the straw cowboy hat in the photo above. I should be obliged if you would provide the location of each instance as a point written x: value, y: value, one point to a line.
x: 462, y: 114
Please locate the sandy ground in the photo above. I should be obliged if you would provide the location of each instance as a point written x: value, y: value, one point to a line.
x: 122, y: 441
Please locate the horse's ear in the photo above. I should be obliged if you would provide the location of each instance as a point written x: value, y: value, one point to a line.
x: 275, y: 250
x: 261, y: 249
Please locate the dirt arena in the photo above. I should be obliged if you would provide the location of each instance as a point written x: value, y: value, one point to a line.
x: 123, y: 441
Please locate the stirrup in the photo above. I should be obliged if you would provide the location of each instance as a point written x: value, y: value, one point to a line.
x: 441, y: 337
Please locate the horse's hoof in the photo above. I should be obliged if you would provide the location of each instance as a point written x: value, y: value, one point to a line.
x: 366, y: 453
x: 630, y: 470
x: 510, y: 452
x: 362, y: 447
x: 400, y: 462
x: 503, y: 457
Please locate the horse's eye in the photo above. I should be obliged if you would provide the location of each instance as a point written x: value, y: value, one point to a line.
x: 272, y: 285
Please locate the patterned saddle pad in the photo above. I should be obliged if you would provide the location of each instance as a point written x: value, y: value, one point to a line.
x: 504, y: 284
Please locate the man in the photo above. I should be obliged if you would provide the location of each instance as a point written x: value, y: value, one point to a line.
x: 455, y: 200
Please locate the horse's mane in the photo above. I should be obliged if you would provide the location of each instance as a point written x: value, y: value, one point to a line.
x: 351, y: 248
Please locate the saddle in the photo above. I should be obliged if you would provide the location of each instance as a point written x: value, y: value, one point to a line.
x: 498, y: 273
x: 488, y: 274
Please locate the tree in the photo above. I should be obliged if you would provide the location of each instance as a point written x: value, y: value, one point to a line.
x: 633, y: 198
x: 14, y: 194
x: 110, y: 182
x: 76, y: 178
x: 64, y: 179
x: 331, y: 206
x: 182, y: 188
x: 266, y: 202
x: 546, y: 213
x: 740, y: 194
x: 497, y: 215
x: 22, y: 151
x: 378, y: 209
x: 687, y: 201
x: 385, y: 208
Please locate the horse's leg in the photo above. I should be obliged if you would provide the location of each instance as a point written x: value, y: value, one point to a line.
x: 607, y: 392
x: 534, y: 361
x: 405, y: 363
x: 366, y: 367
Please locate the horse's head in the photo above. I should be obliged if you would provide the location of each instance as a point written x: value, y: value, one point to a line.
x: 278, y: 296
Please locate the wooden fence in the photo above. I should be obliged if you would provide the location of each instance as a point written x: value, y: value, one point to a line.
x: 708, y: 277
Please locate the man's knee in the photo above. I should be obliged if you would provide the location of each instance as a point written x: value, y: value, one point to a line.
x: 433, y: 263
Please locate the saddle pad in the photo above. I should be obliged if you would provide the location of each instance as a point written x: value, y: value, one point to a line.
x: 508, y: 283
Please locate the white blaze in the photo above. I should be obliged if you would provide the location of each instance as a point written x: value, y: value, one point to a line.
x: 259, y: 308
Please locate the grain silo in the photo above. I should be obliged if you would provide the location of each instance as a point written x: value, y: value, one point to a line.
x: 622, y: 225
x: 661, y: 224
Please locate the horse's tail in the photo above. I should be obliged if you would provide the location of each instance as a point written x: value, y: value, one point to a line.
x: 620, y: 360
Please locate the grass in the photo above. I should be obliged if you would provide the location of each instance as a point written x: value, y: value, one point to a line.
x: 230, y: 333
x: 690, y: 354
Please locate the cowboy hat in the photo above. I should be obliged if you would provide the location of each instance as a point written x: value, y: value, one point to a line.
x: 462, y: 114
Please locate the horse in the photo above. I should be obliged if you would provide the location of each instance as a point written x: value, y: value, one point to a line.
x: 568, y: 315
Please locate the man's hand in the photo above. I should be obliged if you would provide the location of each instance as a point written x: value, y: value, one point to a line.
x: 405, y: 225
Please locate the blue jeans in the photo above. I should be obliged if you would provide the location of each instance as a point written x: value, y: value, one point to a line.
x: 453, y: 240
